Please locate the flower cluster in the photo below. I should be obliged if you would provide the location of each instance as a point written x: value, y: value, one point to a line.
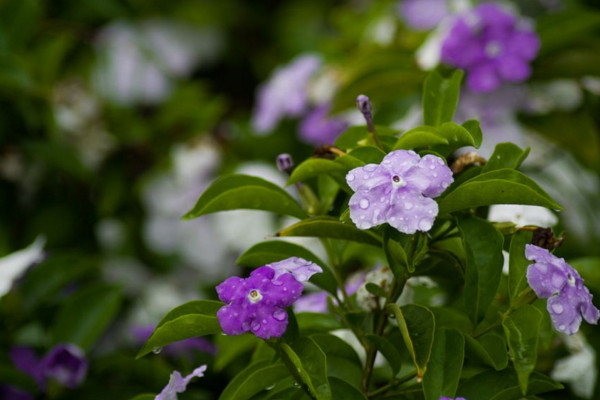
x: 568, y: 299
x: 64, y: 364
x: 492, y: 45
x: 257, y: 304
x: 398, y: 191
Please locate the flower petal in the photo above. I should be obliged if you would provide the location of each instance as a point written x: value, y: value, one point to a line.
x: 431, y: 176
x: 399, y: 162
x: 368, y: 209
x: 178, y: 384
x: 367, y: 177
x: 513, y: 68
x: 411, y: 212
x: 234, y: 319
x: 230, y: 289
x: 300, y: 268
x: 269, y: 322
x: 483, y: 78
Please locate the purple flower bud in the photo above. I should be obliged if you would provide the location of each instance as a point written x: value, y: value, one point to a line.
x: 492, y: 45
x: 364, y: 105
x: 178, y: 384
x: 65, y: 364
x: 284, y: 163
x: 257, y: 304
x: 398, y: 191
x: 568, y: 299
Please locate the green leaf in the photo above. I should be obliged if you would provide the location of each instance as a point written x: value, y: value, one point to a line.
x: 368, y: 154
x: 245, y: 192
x: 445, y: 364
x: 86, y: 315
x: 314, y: 167
x: 388, y: 350
x: 421, y: 136
x: 440, y: 97
x: 144, y: 397
x: 342, y: 360
x: 503, y: 186
x: 589, y: 269
x: 317, y: 322
x: 395, y: 253
x: 264, y: 253
x: 517, y: 264
x: 417, y: 325
x: 310, y: 363
x: 342, y: 390
x: 489, y: 349
x: 328, y: 191
x: 503, y: 385
x: 232, y: 347
x: 375, y: 290
x: 192, y: 319
x: 483, y: 246
x: 357, y: 136
x: 253, y: 380
x: 456, y: 135
x: 522, y: 330
x: 329, y: 227
x: 474, y: 129
x: 506, y: 155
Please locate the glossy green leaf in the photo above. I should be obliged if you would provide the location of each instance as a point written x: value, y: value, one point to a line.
x: 503, y: 385
x: 456, y: 135
x: 314, y: 167
x: 328, y: 227
x: 440, y: 97
x: 506, y: 155
x: 483, y: 246
x: 452, y: 318
x: 445, y: 364
x: 417, y: 326
x: 517, y: 264
x: 192, y: 319
x: 234, y: 192
x: 368, y: 154
x: 328, y: 191
x: 144, y: 397
x: 310, y: 322
x: 387, y: 350
x: 394, y: 253
x: 375, y: 290
x: 86, y: 315
x: 489, y: 349
x: 264, y: 253
x: 310, y: 363
x: 357, y: 136
x: 333, y: 346
x: 253, y: 380
x: 421, y: 136
x: 589, y: 269
x: 503, y: 186
x: 342, y: 360
x: 522, y: 330
x: 474, y: 129
x: 343, y: 390
x: 232, y: 347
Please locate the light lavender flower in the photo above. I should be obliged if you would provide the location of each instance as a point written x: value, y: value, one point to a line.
x: 422, y: 15
x: 285, y: 94
x: 300, y: 268
x: 318, y: 128
x: 178, y: 384
x: 492, y: 45
x: 398, y: 191
x: 568, y: 299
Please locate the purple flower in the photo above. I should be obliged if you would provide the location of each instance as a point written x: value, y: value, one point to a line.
x: 492, y: 45
x: 312, y: 302
x: 316, y: 128
x: 64, y: 364
x: 257, y: 304
x: 398, y: 191
x: 422, y: 15
x: 285, y: 94
x: 176, y: 349
x: 178, y: 384
x: 568, y: 299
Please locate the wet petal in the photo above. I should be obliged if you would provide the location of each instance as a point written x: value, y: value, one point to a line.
x: 367, y: 177
x: 178, y: 384
x: 269, y: 322
x: 411, y: 212
x: 300, y: 268
x: 431, y: 176
x: 368, y: 209
x: 399, y: 162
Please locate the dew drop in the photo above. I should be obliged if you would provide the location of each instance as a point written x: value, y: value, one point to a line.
x: 408, y: 205
x: 424, y: 224
x: 431, y: 166
x: 364, y: 204
x: 370, y: 167
x: 156, y: 350
x: 350, y: 177
x: 270, y: 387
x: 245, y: 326
x: 561, y: 327
x: 279, y: 315
x: 255, y: 326
x: 558, y: 308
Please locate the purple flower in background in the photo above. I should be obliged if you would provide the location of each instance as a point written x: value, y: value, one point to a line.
x: 257, y: 304
x: 398, y: 191
x: 317, y: 301
x: 12, y: 393
x: 178, y: 384
x: 422, y: 15
x: 285, y: 94
x: 317, y: 129
x: 64, y: 364
x: 176, y: 349
x: 492, y: 45
x: 568, y: 299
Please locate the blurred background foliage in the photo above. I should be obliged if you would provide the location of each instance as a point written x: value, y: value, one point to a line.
x: 93, y: 114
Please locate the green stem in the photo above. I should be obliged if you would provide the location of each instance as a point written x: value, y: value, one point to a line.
x: 276, y: 345
x: 527, y: 296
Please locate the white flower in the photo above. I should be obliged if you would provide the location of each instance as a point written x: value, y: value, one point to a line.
x: 15, y: 264
x: 579, y: 369
x: 522, y: 215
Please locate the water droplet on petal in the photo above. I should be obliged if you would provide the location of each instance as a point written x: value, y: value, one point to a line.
x: 424, y: 224
x: 245, y: 326
x: 431, y: 166
x: 408, y: 205
x: 364, y: 204
x: 156, y: 350
x: 279, y: 315
x: 255, y: 326
x: 350, y: 177
x: 561, y: 327
x: 558, y: 308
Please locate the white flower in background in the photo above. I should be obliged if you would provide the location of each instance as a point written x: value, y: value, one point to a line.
x: 13, y: 265
x: 560, y: 94
x: 382, y: 30
x: 522, y: 215
x: 139, y: 62
x: 579, y: 369
x: 382, y: 277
